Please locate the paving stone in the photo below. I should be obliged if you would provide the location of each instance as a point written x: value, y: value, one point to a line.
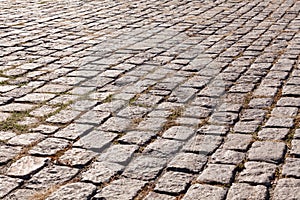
x: 82, y: 105
x: 289, y: 102
x: 133, y: 112
x: 188, y: 162
x: 273, y: 133
x: 225, y: 174
x: 245, y: 191
x: 16, y: 107
x: 284, y: 112
x: 290, y: 168
x: 96, y: 140
x: 25, y: 194
x: 182, y: 95
x: 120, y: 154
x: 49, y: 147
x: 173, y: 182
x: 45, y: 129
x: 137, y: 137
x: 158, y: 196
x: 51, y: 176
x: 163, y: 147
x: 6, y: 135
x: 53, y: 88
x: 63, y: 99
x: 8, y: 184
x: 246, y: 127
x: 116, y: 124
x: 295, y: 148
x: 26, y: 166
x: 253, y: 115
x: 281, y: 122
x: 265, y: 91
x: 77, y: 157
x: 36, y: 97
x: 73, y: 131
x: 7, y: 153
x: 223, y: 118
x: 218, y: 130
x: 267, y: 151
x: 100, y: 172
x: 203, y: 144
x: 121, y: 189
x: 43, y: 111
x: 151, y: 124
x: 297, y: 134
x: 63, y: 117
x: 196, y: 112
x: 145, y: 167
x: 178, y: 133
x: 257, y: 173
x: 74, y: 191
x: 291, y: 90
x: 287, y: 188
x: 205, y: 192
x: 224, y: 156
x: 260, y: 103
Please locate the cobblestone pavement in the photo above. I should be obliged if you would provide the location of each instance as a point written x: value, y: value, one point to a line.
x: 146, y: 99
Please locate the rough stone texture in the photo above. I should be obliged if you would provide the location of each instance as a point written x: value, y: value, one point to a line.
x: 257, y: 173
x: 178, y: 133
x: 163, y: 147
x: 267, y: 151
x: 205, y: 192
x: 224, y: 176
x: 245, y: 191
x: 25, y: 194
x: 291, y: 168
x: 120, y: 154
x: 73, y: 131
x: 116, y: 124
x: 73, y: 191
x: 26, y: 166
x: 77, y: 157
x: 295, y: 148
x: 227, y: 157
x: 7, y: 153
x: 188, y: 162
x: 100, y: 172
x: 273, y: 133
x: 287, y: 188
x: 137, y: 137
x: 213, y: 130
x: 145, y: 167
x: 8, y: 184
x: 93, y: 117
x: 63, y: 117
x: 121, y: 189
x: 96, y: 140
x: 237, y: 142
x: 51, y: 176
x: 49, y: 147
x: 153, y: 86
x: 280, y: 122
x: 173, y: 182
x: 158, y: 196
x: 203, y: 144
x: 6, y: 135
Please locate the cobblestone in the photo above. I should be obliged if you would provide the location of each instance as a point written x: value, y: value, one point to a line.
x: 133, y: 98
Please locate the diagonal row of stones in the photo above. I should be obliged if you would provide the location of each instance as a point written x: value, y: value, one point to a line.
x: 149, y: 100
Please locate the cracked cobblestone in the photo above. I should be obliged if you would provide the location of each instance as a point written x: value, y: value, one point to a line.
x: 149, y: 99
